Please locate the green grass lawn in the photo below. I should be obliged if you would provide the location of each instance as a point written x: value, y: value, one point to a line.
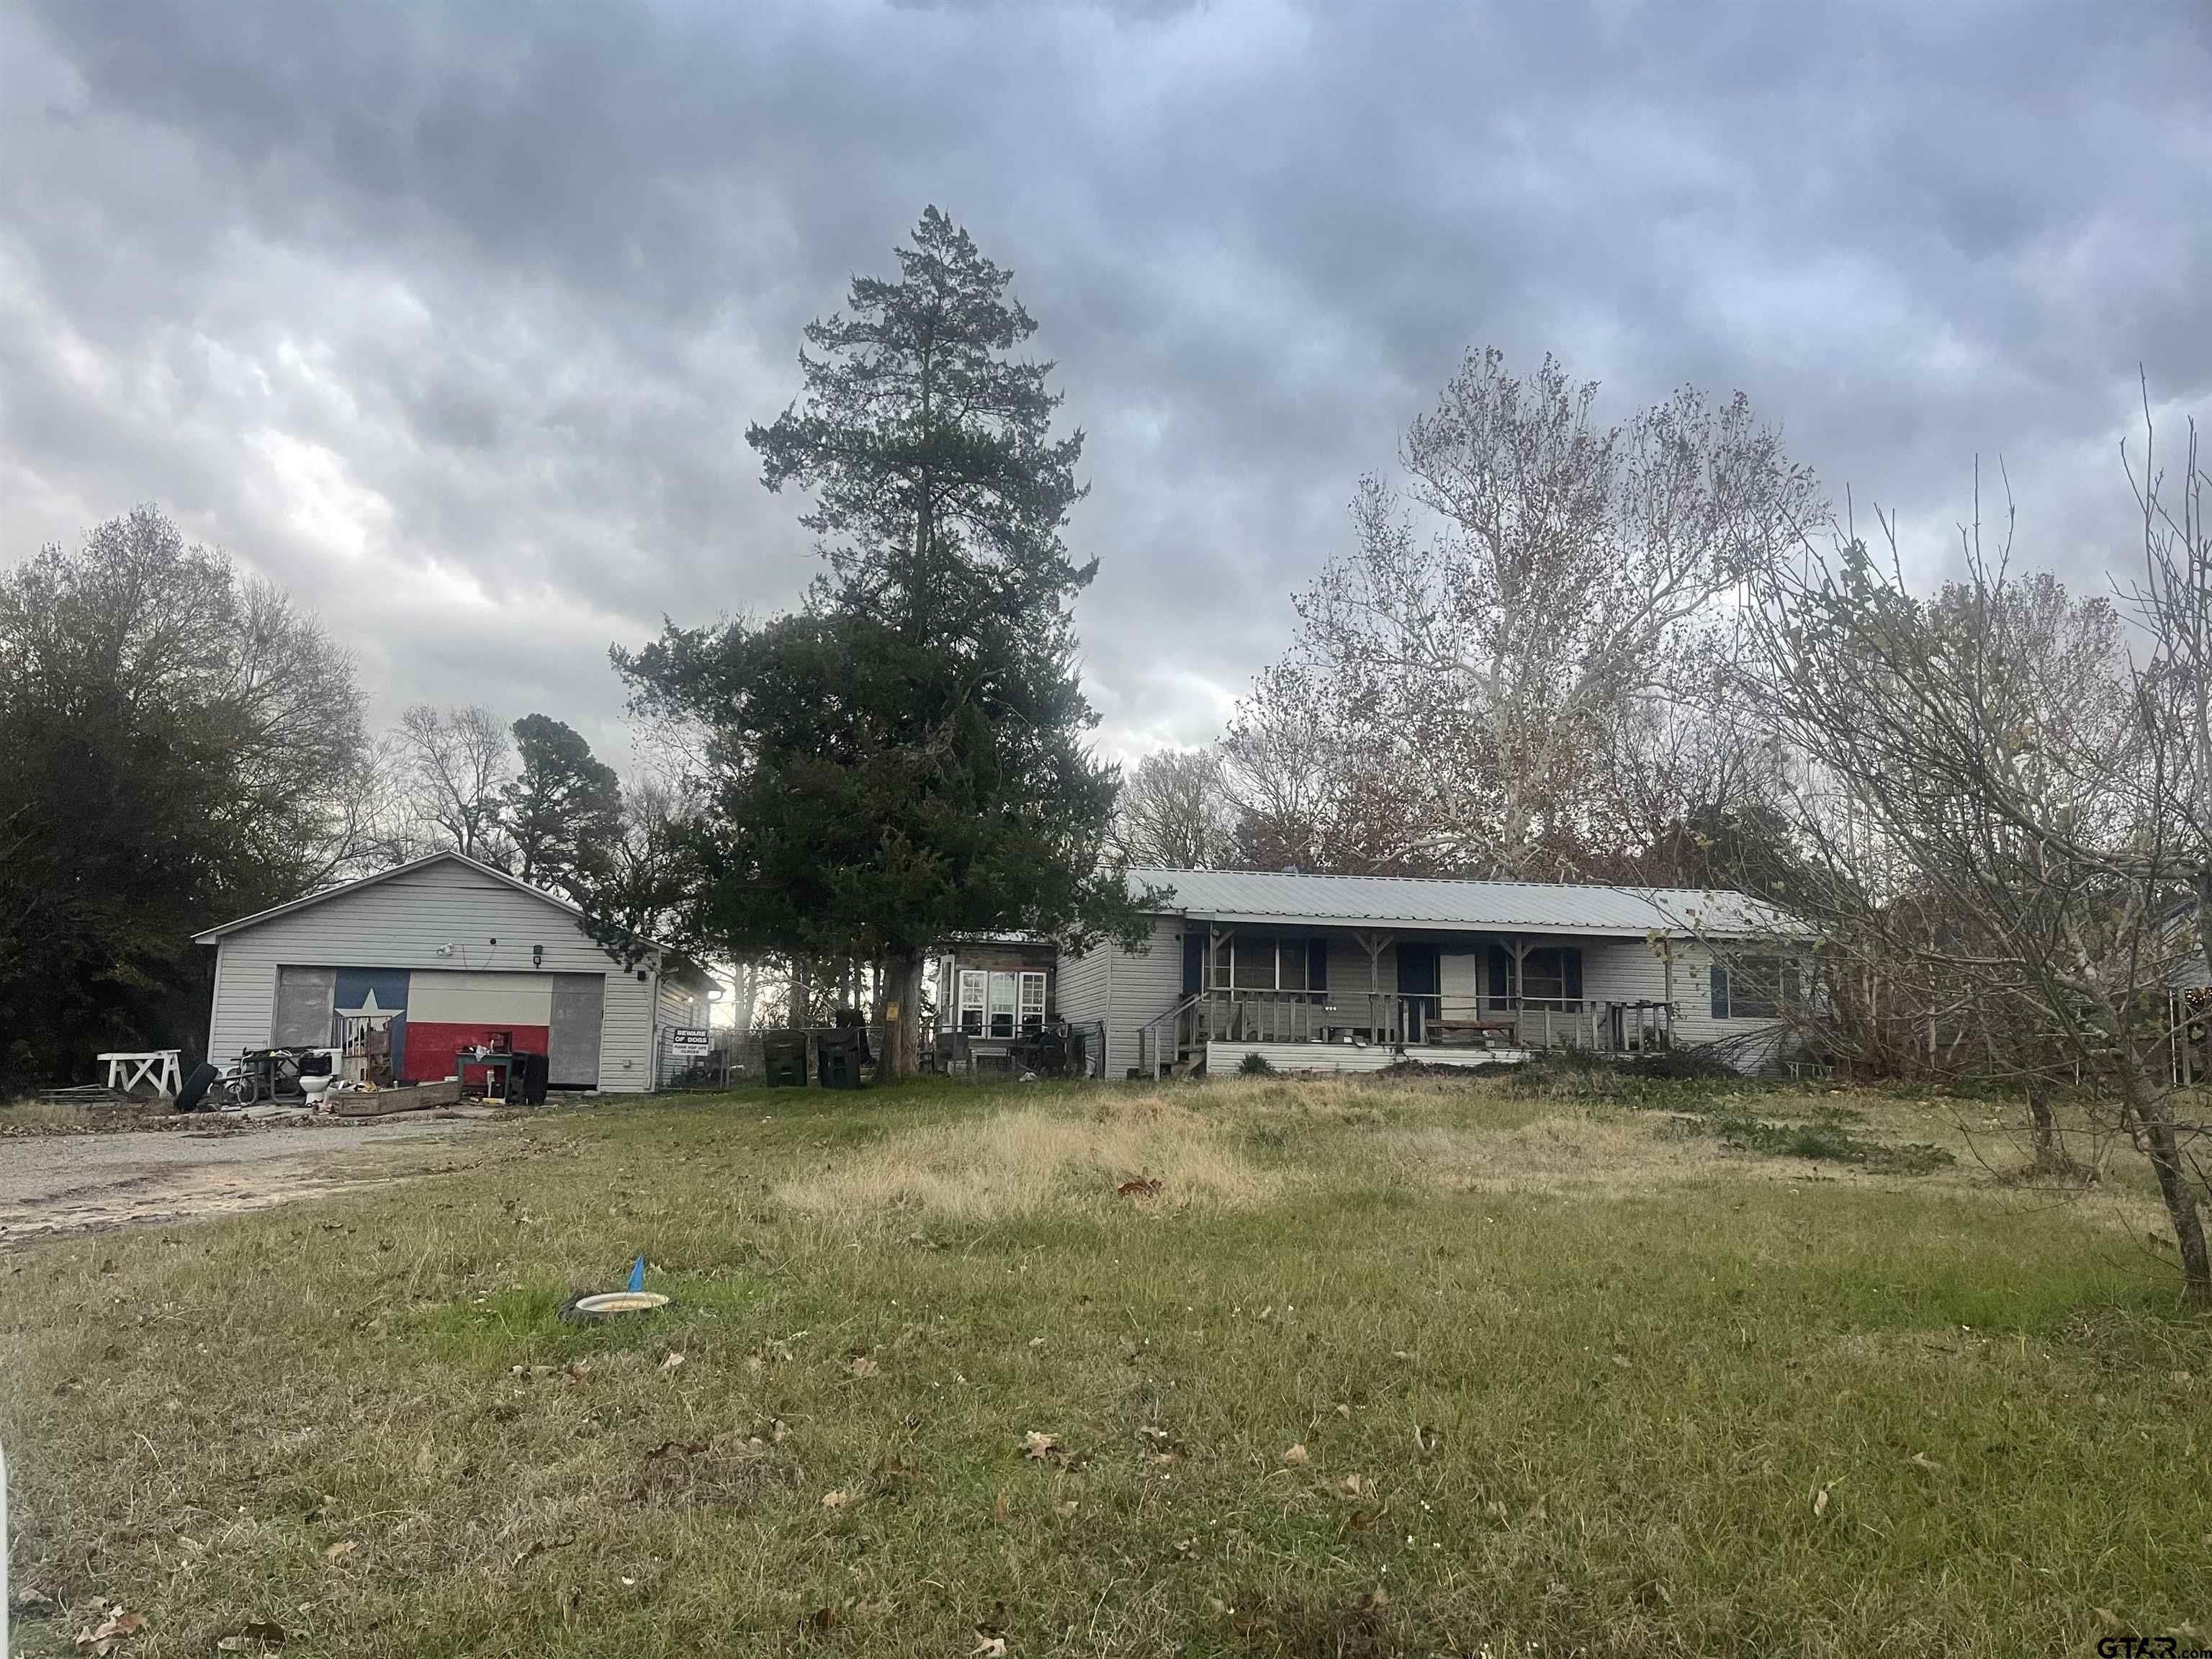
x: 1419, y: 1367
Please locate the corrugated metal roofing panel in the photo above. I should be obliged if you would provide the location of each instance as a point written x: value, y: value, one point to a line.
x: 1409, y: 901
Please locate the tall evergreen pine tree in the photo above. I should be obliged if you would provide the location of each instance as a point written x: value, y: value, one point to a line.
x: 904, y: 761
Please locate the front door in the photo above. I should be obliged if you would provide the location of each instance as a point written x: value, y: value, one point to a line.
x: 1418, y: 985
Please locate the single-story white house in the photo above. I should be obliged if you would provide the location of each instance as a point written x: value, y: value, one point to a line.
x: 444, y: 953
x: 1351, y: 973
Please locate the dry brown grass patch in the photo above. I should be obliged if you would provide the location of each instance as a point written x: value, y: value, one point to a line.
x: 1557, y: 1153
x: 1031, y: 1160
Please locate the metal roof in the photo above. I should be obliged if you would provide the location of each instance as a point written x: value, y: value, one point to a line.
x: 1414, y: 902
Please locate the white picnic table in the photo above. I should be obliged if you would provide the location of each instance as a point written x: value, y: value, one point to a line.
x: 158, y: 1066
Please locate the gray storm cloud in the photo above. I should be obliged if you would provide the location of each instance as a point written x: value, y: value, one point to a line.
x: 451, y: 317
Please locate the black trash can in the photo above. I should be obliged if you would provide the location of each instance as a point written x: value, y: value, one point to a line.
x: 527, y: 1083
x: 783, y: 1061
x: 840, y: 1056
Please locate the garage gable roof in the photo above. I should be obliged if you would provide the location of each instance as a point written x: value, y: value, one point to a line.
x: 259, y: 917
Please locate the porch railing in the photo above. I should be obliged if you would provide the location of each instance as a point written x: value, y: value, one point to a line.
x: 1596, y: 1026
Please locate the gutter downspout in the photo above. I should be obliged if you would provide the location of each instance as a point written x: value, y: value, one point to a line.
x: 215, y: 1001
x: 652, y: 1030
x: 1106, y: 1030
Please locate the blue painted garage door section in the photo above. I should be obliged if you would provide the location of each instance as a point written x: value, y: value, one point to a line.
x: 379, y: 995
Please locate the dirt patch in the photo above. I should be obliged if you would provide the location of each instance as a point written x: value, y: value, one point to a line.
x: 58, y: 1185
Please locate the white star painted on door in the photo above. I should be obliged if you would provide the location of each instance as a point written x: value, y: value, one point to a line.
x: 369, y: 1011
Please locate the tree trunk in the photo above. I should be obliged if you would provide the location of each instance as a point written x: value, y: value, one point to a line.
x: 2154, y: 1112
x: 2045, y: 1129
x: 799, y: 997
x: 744, y: 982
x: 901, y: 983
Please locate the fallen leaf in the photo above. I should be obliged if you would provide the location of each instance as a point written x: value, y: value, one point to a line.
x: 1038, y: 1342
x: 1356, y: 1485
x: 1003, y: 1510
x: 988, y: 1647
x: 1425, y: 1442
x: 1922, y: 1460
x: 1068, y: 1506
x: 823, y: 1618
x: 1138, y: 1188
x: 577, y: 1370
x: 340, y: 1550
x: 836, y: 1500
x: 670, y: 1361
x: 1361, y: 1520
x: 252, y: 1638
x: 1374, y: 1599
x: 118, y: 1627
x: 1820, y: 1502
x: 861, y: 1365
x: 1295, y: 1458
x: 1037, y: 1445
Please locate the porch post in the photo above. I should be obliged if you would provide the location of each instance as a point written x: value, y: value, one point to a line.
x: 1375, y: 944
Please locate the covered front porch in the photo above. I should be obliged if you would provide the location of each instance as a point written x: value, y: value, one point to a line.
x: 1372, y: 996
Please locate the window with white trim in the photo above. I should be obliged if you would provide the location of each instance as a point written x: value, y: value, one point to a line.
x: 1003, y: 1002
x: 1000, y: 1005
x: 973, y: 987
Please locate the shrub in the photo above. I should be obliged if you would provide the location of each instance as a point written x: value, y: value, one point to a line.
x: 1255, y: 1064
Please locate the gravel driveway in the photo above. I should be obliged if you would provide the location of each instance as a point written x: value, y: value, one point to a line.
x: 52, y: 1186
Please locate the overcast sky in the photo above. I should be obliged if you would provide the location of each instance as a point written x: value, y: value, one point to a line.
x: 451, y: 317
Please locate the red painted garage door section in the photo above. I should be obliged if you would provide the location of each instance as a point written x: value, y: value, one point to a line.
x: 432, y: 1047
x: 449, y: 1012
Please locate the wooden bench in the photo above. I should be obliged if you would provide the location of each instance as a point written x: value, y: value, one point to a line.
x: 157, y: 1066
x: 1467, y: 1033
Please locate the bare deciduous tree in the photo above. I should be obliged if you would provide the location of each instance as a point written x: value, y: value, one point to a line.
x: 1173, y: 813
x: 458, y: 767
x: 1537, y: 575
x: 2014, y: 795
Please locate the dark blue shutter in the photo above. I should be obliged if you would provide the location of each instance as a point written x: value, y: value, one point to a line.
x: 1720, y: 992
x: 1193, y: 963
x: 1501, y: 973
x: 1317, y: 963
x: 1571, y: 970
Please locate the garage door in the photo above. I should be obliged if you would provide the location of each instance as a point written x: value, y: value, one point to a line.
x: 448, y: 1012
x: 578, y: 1006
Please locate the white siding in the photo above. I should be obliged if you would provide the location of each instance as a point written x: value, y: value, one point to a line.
x: 1627, y: 970
x: 1223, y: 1059
x: 1348, y: 968
x: 401, y: 923
x: 1146, y: 984
x: 681, y: 1003
x: 1613, y: 971
x: 1082, y: 993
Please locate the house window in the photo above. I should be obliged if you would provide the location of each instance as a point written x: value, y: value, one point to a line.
x: 1756, y: 987
x: 1544, y: 976
x: 973, y: 988
x: 1032, y: 1002
x: 1254, y: 962
x: 1002, y: 1005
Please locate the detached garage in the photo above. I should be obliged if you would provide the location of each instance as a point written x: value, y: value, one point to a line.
x: 443, y: 954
